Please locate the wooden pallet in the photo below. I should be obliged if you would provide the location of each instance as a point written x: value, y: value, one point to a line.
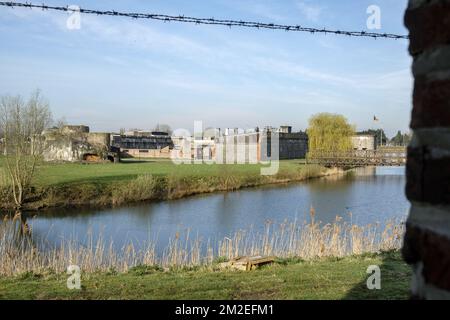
x: 247, y: 263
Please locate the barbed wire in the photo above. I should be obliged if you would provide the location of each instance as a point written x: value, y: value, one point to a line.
x: 205, y: 21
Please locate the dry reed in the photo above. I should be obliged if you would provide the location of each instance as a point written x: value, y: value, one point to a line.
x: 307, y: 240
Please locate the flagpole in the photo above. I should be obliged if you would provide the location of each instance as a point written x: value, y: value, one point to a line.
x: 375, y: 119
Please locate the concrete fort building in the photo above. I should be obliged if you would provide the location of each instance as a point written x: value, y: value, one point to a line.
x: 293, y: 145
x: 233, y: 145
x: 74, y: 143
x: 200, y: 147
x: 143, y: 144
x: 255, y: 145
x: 361, y: 142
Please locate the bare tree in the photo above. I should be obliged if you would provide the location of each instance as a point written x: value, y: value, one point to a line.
x: 22, y: 124
x: 60, y: 124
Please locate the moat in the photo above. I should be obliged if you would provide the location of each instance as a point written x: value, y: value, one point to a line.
x: 370, y: 195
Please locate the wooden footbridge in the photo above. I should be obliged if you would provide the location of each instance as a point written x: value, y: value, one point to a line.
x: 384, y: 156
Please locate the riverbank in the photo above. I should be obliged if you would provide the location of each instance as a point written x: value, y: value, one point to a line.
x: 105, y: 185
x: 330, y: 278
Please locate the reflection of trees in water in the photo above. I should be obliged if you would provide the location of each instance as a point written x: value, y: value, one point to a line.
x: 334, y: 190
x: 370, y: 198
x: 366, y: 192
x: 15, y: 235
x: 365, y: 171
x: 65, y: 213
x: 347, y: 180
x: 17, y: 224
x: 331, y: 183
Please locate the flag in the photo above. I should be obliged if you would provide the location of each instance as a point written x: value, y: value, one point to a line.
x: 375, y: 119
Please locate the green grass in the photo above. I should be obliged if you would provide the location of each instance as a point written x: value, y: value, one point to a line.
x: 51, y: 174
x: 322, y: 279
x: 68, y: 173
x: 75, y: 184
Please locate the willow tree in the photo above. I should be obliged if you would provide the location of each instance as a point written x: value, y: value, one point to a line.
x: 21, y: 124
x: 329, y: 133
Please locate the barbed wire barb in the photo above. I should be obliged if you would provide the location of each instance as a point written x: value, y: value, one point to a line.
x: 205, y: 21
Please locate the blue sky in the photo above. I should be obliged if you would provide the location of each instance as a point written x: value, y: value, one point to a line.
x: 121, y: 73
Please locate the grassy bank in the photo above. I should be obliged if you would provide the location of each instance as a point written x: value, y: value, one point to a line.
x: 330, y: 278
x: 69, y: 184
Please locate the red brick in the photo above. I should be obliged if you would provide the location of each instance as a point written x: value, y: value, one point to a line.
x: 414, y: 174
x: 428, y: 179
x: 429, y: 26
x: 431, y: 101
x: 410, y: 251
x: 433, y: 250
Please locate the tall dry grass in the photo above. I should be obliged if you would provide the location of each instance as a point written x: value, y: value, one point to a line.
x: 306, y: 240
x: 5, y: 187
x: 142, y: 188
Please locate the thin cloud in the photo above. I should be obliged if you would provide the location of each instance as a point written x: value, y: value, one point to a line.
x: 309, y: 11
x: 261, y: 10
x: 143, y: 36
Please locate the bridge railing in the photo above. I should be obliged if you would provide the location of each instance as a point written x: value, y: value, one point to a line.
x: 383, y: 156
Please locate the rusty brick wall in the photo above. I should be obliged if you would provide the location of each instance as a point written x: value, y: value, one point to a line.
x: 427, y: 240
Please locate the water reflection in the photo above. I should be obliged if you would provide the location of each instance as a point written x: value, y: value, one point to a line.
x: 370, y: 195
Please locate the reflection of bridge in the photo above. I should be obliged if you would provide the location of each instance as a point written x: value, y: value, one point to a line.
x: 359, y: 158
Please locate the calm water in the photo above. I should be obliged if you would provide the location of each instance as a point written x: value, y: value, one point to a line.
x: 371, y: 195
